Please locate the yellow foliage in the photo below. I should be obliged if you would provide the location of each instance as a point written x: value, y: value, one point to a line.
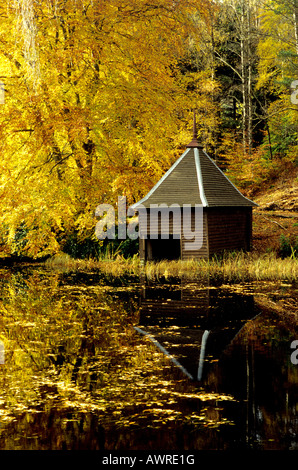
x: 96, y: 104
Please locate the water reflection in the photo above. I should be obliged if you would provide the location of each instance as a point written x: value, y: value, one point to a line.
x: 193, y: 323
x: 230, y: 344
x: 78, y: 375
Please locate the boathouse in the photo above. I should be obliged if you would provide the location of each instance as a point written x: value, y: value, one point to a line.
x: 194, y: 182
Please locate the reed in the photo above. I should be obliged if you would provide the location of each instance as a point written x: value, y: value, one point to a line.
x: 231, y: 266
x: 114, y: 265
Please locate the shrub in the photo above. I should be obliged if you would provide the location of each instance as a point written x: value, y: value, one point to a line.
x: 288, y: 246
x: 90, y: 247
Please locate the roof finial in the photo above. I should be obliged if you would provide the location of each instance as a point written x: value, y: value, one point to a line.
x: 194, y: 142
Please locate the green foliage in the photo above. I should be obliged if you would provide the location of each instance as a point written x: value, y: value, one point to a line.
x: 91, y: 247
x: 288, y: 247
x: 82, y: 248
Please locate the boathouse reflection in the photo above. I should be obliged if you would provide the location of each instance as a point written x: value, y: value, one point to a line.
x: 193, y: 323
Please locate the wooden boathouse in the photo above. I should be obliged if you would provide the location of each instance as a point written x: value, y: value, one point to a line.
x: 194, y: 180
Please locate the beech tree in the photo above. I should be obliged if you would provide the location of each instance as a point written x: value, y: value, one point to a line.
x: 99, y: 99
x: 96, y: 106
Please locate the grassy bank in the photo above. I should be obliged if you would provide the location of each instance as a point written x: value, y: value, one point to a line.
x: 234, y: 266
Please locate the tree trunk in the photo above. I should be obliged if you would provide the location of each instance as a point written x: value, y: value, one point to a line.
x: 249, y: 82
x: 295, y: 16
x: 243, y: 77
x: 246, y: 72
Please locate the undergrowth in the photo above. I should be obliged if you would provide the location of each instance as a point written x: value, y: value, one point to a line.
x: 232, y: 266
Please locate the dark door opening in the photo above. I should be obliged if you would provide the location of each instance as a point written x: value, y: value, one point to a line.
x: 157, y: 250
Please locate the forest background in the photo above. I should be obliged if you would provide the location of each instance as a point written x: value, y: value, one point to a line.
x: 98, y: 101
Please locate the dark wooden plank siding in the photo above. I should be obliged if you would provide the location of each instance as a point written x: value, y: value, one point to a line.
x: 142, y: 248
x: 195, y: 253
x: 224, y: 228
x: 155, y: 229
x: 229, y: 229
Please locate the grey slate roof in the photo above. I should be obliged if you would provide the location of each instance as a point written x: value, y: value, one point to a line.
x: 195, y: 179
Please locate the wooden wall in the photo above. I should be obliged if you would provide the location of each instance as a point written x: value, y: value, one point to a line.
x: 198, y: 251
x: 224, y: 228
x: 189, y: 249
x: 229, y: 229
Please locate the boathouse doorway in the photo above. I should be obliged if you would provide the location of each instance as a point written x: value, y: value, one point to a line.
x: 159, y: 249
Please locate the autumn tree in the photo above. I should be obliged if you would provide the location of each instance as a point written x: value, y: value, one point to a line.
x: 278, y: 68
x: 96, y: 106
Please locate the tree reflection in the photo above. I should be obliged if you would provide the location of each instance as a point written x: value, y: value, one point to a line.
x: 78, y: 376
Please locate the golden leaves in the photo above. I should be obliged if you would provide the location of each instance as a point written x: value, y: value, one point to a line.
x: 73, y: 347
x: 104, y: 117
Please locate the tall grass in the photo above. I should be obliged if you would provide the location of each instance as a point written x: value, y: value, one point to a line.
x: 114, y: 265
x: 231, y: 266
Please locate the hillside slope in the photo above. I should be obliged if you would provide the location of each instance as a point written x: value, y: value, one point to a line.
x: 277, y: 216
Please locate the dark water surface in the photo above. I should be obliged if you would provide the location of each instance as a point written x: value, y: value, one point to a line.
x: 94, y: 363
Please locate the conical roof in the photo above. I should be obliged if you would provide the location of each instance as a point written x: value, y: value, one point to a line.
x: 195, y: 179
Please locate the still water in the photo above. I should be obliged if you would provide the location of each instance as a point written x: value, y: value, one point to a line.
x: 96, y: 363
